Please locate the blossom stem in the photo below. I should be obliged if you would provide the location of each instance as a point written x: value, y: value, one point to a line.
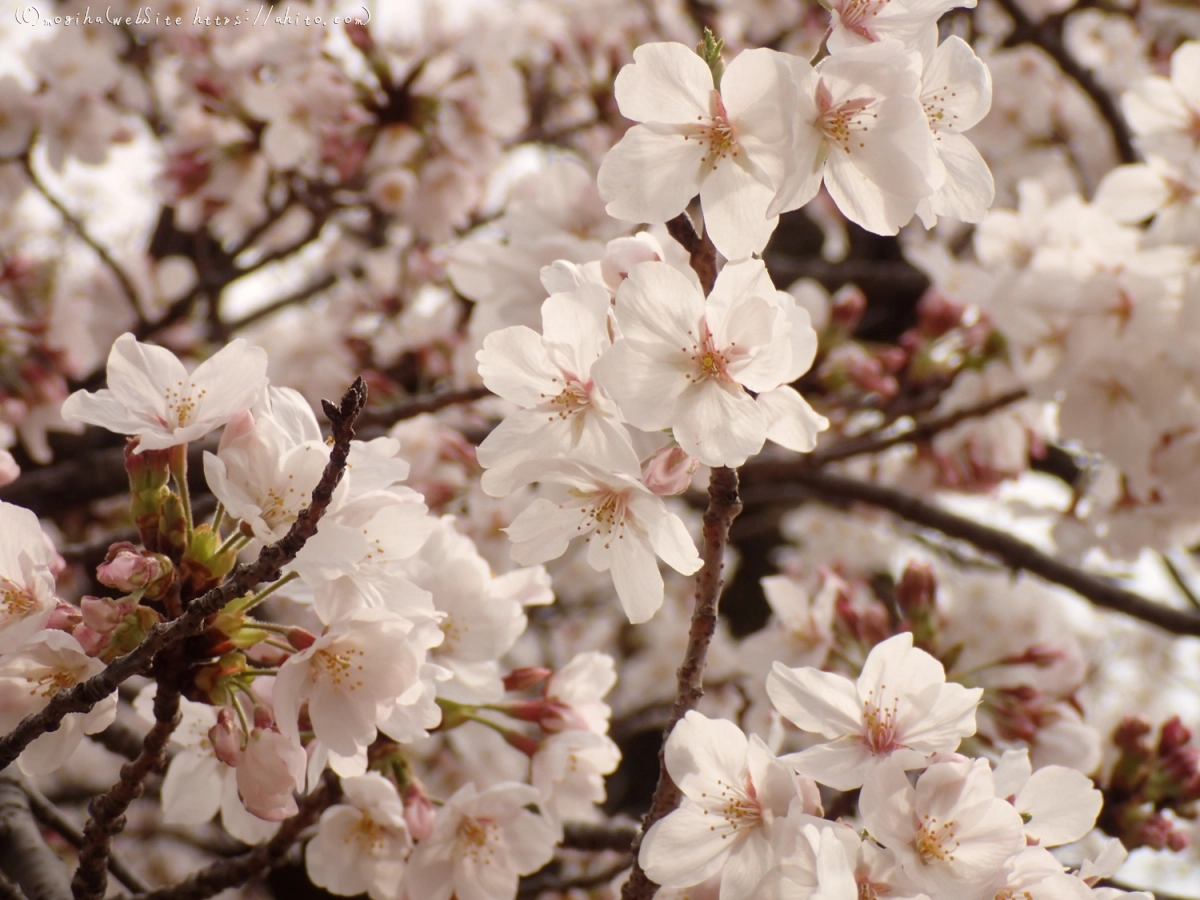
x: 218, y: 516
x: 239, y: 712
x: 232, y: 541
x: 267, y: 592
x: 179, y: 466
x: 724, y: 505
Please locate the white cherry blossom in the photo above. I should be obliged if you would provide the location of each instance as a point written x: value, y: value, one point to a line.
x: 625, y: 524
x: 569, y: 769
x: 482, y: 842
x: 734, y: 790
x: 901, y: 708
x: 150, y: 394
x: 685, y: 363
x: 33, y: 673
x: 26, y: 582
x: 549, y: 375
x: 859, y: 127
x: 726, y: 145
x: 1059, y: 805
x: 856, y: 22
x: 362, y: 845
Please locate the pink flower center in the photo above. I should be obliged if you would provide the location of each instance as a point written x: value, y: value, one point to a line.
x: 717, y: 134
x: 575, y: 396
x: 342, y: 669
x: 479, y: 839
x: 738, y: 806
x: 368, y: 834
x: 856, y: 15
x: 707, y: 360
x: 843, y: 124
x: 881, y: 734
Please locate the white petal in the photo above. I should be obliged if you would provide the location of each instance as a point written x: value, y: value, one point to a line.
x: 719, y: 424
x: 812, y: 700
x: 650, y: 176
x: 635, y: 575
x: 735, y: 209
x: 667, y: 82
x: 1062, y: 803
x: 791, y: 422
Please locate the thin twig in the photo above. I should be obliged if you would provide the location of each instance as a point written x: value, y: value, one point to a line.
x: 724, y: 505
x: 227, y: 873
x: 1049, y: 38
x: 267, y: 567
x: 922, y: 431
x: 297, y: 296
x: 52, y: 817
x: 422, y: 403
x: 1180, y: 580
x: 82, y: 233
x: 1011, y: 551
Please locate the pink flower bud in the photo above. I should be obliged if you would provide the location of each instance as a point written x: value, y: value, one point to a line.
x: 525, y: 677
x: 669, y: 471
x: 100, y: 614
x: 419, y: 811
x: 551, y: 715
x: 271, y: 770
x: 65, y: 617
x: 300, y: 639
x: 128, y: 569
x: 1174, y: 734
x: 847, y: 307
x: 916, y: 594
x: 226, y: 739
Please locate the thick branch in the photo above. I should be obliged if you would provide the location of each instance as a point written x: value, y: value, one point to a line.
x: 24, y: 856
x: 1049, y: 39
x: 590, y: 836
x: 724, y: 504
x: 1012, y: 552
x: 228, y: 873
x: 52, y: 817
x: 267, y: 567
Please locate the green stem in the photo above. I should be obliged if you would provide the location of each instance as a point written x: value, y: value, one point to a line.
x: 178, y: 464
x: 259, y: 672
x: 232, y: 541
x: 218, y: 516
x: 267, y: 592
x: 279, y: 645
x: 241, y: 713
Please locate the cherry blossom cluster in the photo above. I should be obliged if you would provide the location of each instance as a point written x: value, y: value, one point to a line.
x: 590, y: 258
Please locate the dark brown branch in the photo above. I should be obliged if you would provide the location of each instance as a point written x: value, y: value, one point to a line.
x: 120, y: 739
x: 1049, y: 37
x: 24, y: 856
x: 227, y: 873
x: 701, y: 252
x: 108, y: 810
x: 922, y: 431
x: 82, y: 233
x: 267, y: 567
x: 1011, y: 551
x: 52, y: 817
x: 1181, y: 581
x: 724, y: 504
x: 589, y: 836
x: 408, y: 409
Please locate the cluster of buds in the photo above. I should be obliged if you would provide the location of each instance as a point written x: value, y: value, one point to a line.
x: 1151, y: 786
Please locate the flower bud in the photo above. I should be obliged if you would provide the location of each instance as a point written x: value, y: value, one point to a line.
x: 65, y: 617
x: 130, y: 569
x: 669, y: 471
x: 226, y: 739
x: 271, y: 770
x: 1174, y: 734
x: 9, y: 470
x: 916, y: 593
x: 622, y: 254
x: 525, y: 677
x: 101, y: 614
x: 419, y: 811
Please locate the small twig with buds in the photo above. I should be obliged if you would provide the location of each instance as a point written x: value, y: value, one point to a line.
x: 268, y: 567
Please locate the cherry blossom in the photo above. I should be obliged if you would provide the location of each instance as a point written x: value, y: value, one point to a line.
x: 734, y: 790
x: 900, y: 709
x: 860, y: 128
x: 625, y: 525
x: 856, y: 22
x: 685, y: 363
x: 361, y: 846
x: 726, y: 144
x: 482, y: 842
x: 26, y: 582
x: 151, y: 394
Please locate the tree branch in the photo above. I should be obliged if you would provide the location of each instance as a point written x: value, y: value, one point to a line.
x: 1049, y: 39
x: 590, y: 836
x: 52, y: 817
x: 724, y: 504
x: 422, y: 403
x: 24, y: 856
x: 227, y: 873
x: 267, y: 567
x: 108, y: 810
x: 76, y: 226
x: 297, y: 296
x: 701, y: 252
x: 1011, y: 551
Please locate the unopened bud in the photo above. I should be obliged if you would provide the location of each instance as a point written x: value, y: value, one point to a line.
x: 622, y: 254
x: 300, y: 639
x: 65, y: 617
x: 1174, y: 734
x: 916, y: 594
x: 101, y: 615
x: 360, y: 37
x: 847, y: 307
x: 129, y: 569
x: 525, y: 677
x: 10, y: 471
x: 937, y: 313
x: 1129, y: 733
x: 226, y: 739
x: 669, y: 471
x: 419, y: 811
